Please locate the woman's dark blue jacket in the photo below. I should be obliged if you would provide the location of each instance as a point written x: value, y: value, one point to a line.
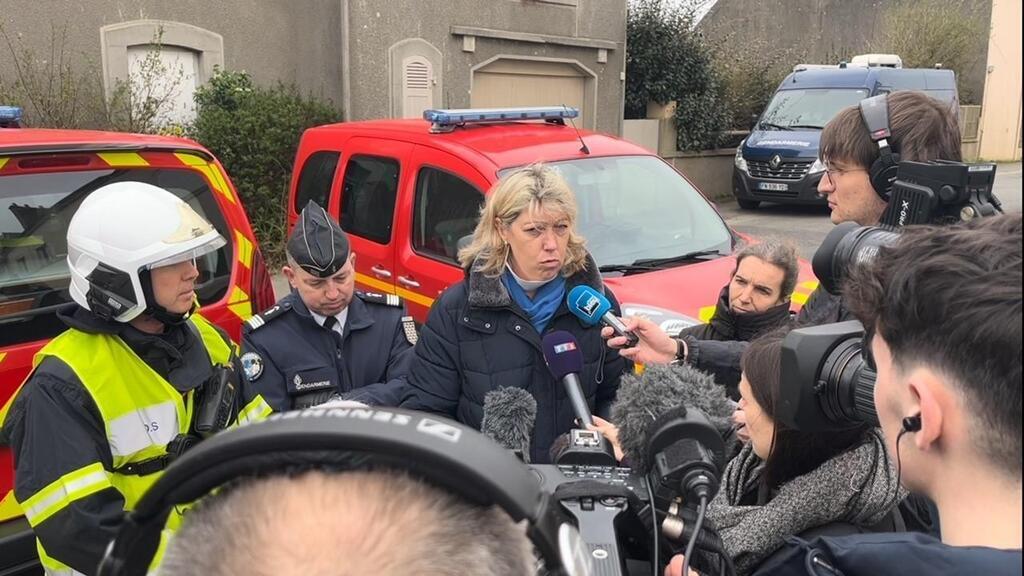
x: 477, y: 339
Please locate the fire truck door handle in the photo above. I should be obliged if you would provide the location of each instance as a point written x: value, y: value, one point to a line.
x: 408, y: 282
x: 380, y: 272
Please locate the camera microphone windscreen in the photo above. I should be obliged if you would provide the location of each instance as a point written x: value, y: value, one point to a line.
x: 509, y: 416
x: 644, y: 398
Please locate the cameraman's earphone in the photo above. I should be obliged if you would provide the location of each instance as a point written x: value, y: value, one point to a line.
x: 911, y: 424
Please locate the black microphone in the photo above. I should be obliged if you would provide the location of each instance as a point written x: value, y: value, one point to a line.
x: 643, y: 398
x: 509, y: 415
x: 673, y: 418
x: 565, y: 361
x: 592, y: 308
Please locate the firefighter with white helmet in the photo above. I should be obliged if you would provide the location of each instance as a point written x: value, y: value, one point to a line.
x: 137, y: 378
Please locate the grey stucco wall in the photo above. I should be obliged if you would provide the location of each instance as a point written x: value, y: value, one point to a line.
x: 374, y: 30
x: 291, y: 41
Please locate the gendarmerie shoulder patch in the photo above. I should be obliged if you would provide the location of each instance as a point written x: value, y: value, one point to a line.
x: 261, y: 319
x: 252, y: 364
x: 385, y: 299
x: 409, y: 328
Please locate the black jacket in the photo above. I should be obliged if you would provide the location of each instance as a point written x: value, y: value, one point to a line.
x: 294, y: 362
x: 54, y: 427
x: 477, y: 339
x: 906, y: 554
x: 822, y: 308
x: 716, y: 347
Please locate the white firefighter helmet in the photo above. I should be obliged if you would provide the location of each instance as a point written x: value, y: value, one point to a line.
x: 122, y: 230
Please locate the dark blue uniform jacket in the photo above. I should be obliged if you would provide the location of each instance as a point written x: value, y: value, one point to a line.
x: 294, y: 362
x: 904, y: 554
x: 477, y: 339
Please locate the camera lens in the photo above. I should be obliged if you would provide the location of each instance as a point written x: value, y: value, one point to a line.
x: 846, y: 245
x: 847, y: 386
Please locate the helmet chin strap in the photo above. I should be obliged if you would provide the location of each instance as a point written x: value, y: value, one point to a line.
x: 156, y: 311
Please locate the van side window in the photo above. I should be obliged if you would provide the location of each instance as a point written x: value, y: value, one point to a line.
x: 315, y: 179
x: 446, y: 209
x: 368, y: 197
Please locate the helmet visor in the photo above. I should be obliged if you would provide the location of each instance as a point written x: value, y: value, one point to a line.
x: 209, y: 243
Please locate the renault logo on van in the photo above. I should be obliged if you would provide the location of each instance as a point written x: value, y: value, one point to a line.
x: 775, y: 161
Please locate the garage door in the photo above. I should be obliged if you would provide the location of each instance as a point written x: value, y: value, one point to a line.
x: 527, y: 83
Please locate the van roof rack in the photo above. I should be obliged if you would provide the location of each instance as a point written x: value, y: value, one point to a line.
x: 877, y: 60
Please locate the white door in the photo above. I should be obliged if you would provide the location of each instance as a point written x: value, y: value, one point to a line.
x: 417, y: 82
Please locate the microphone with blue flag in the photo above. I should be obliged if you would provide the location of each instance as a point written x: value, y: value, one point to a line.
x: 593, y: 308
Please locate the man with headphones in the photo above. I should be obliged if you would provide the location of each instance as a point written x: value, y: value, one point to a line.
x: 943, y: 309
x: 861, y: 149
x: 136, y: 379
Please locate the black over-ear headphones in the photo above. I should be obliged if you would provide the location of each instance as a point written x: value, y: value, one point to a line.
x: 439, y: 451
x: 875, y: 113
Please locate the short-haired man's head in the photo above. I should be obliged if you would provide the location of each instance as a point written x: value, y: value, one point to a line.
x: 949, y: 299
x: 783, y: 267
x: 922, y: 127
x: 341, y: 524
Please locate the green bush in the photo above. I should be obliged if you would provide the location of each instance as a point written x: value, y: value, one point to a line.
x: 255, y: 132
x: 668, y: 59
x: 750, y: 70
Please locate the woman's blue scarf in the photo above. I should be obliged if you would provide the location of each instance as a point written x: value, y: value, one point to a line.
x: 544, y: 303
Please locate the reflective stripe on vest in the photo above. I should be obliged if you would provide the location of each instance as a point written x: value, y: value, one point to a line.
x: 65, y: 490
x: 257, y: 409
x: 141, y: 413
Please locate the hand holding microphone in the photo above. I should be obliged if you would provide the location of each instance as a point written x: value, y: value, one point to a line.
x: 653, y: 345
x: 611, y: 434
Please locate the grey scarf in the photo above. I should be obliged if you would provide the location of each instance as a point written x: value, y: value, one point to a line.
x: 857, y: 487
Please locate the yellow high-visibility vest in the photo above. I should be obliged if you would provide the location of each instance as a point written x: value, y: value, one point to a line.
x: 141, y: 413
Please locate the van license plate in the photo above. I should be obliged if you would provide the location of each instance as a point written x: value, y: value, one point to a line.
x: 772, y: 186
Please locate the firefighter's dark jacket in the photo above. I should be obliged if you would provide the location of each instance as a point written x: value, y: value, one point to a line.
x: 54, y: 427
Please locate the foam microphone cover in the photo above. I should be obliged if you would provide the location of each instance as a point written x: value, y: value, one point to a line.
x: 562, y: 354
x: 509, y: 416
x: 644, y: 398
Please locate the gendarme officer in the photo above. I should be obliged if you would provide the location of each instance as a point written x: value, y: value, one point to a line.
x: 325, y: 338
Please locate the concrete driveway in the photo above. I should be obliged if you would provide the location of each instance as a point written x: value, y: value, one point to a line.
x: 807, y: 226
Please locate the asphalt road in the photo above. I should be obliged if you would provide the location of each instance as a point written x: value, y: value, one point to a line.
x: 807, y: 226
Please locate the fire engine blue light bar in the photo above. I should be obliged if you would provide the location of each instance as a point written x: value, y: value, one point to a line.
x: 10, y: 113
x: 478, y: 115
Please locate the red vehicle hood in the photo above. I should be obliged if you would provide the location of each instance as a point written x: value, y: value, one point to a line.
x: 690, y: 290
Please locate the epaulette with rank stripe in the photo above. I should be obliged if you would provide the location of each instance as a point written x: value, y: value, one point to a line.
x: 386, y: 299
x: 260, y: 320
